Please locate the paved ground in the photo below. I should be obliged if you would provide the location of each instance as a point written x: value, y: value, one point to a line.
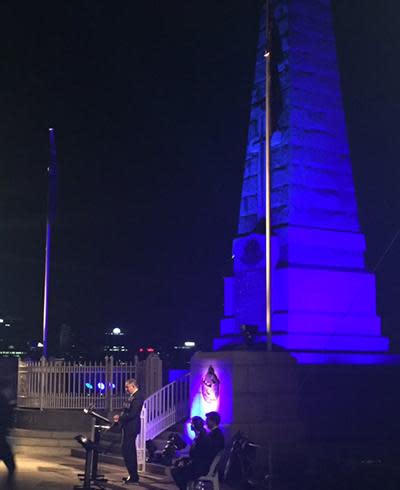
x: 49, y: 473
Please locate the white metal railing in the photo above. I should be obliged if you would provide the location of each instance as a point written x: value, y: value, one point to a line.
x: 167, y: 406
x: 161, y: 410
x: 65, y: 385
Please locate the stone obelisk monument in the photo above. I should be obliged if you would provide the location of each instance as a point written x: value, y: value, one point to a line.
x: 323, y: 297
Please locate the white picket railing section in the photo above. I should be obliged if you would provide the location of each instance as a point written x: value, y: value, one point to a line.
x: 66, y: 385
x: 161, y: 410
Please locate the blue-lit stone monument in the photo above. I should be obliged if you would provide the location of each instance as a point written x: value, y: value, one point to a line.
x: 323, y: 297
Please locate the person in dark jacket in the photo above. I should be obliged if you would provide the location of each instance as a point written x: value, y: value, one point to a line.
x: 6, y: 412
x: 129, y: 420
x: 198, y: 462
x: 215, y: 436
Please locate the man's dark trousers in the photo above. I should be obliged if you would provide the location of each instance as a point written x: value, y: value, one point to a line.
x: 129, y: 453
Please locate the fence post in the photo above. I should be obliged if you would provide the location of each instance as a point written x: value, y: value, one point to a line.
x: 152, y: 374
x: 22, y: 387
x: 142, y: 438
x: 42, y: 381
x: 137, y: 368
x: 108, y: 375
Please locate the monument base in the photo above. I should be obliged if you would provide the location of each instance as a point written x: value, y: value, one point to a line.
x: 308, y: 356
x: 255, y: 392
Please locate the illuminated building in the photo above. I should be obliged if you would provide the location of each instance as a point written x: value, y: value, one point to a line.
x: 12, y: 343
x: 116, y: 344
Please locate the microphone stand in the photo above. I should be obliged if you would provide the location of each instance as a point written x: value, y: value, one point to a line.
x: 92, y: 448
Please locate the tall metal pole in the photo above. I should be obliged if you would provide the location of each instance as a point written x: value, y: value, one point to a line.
x: 52, y: 172
x: 267, y: 180
x: 46, y: 287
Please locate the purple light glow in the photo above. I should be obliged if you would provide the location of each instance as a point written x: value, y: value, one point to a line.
x: 223, y: 405
x: 174, y: 374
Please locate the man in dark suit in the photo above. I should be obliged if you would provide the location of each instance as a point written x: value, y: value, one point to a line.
x: 198, y: 463
x: 129, y: 421
x: 215, y: 436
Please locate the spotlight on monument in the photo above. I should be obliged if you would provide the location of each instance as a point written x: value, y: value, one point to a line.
x: 249, y: 332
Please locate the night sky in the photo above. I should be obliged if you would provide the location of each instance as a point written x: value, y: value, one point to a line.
x: 150, y: 104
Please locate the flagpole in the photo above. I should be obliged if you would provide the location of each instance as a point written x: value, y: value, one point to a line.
x: 50, y: 206
x: 267, y: 181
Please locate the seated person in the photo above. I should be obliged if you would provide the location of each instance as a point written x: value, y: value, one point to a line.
x: 215, y: 436
x: 198, y: 462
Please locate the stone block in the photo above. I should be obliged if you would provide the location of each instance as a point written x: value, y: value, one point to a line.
x: 311, y: 155
x: 253, y: 408
x: 229, y: 300
x: 316, y: 177
x: 317, y: 139
x: 326, y: 342
x: 344, y: 220
x: 229, y: 326
x: 330, y: 324
x: 338, y: 292
x: 316, y: 98
x: 274, y: 381
x: 331, y: 199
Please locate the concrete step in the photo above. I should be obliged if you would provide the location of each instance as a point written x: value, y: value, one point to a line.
x: 117, y: 460
x: 33, y: 451
x: 39, y: 442
x: 43, y: 434
x: 42, y: 442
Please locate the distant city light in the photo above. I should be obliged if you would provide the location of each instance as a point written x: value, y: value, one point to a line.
x: 101, y: 386
x: 141, y: 349
x: 7, y: 325
x: 89, y: 386
x: 150, y: 349
x: 15, y: 353
x: 116, y: 331
x: 1, y: 320
x: 190, y: 343
x: 39, y: 344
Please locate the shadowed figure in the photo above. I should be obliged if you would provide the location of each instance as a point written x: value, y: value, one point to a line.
x: 6, y: 415
x: 198, y: 463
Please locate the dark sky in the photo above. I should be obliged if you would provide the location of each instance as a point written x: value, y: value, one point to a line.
x: 150, y: 105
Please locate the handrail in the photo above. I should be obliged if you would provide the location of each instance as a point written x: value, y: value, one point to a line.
x: 161, y: 410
